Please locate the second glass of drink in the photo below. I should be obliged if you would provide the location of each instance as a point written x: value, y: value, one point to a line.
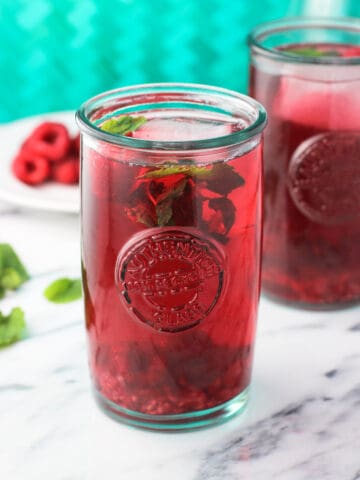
x: 306, y: 72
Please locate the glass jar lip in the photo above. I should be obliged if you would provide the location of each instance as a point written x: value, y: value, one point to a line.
x: 234, y: 138
x: 263, y: 30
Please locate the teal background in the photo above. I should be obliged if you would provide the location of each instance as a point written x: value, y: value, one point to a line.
x: 54, y: 54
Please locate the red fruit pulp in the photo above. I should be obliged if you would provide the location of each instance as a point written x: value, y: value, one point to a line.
x: 311, y: 252
x: 171, y: 280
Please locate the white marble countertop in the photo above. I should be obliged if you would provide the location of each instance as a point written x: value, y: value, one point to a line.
x: 302, y: 423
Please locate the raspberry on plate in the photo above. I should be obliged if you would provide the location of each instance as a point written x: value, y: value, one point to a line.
x: 30, y: 168
x: 75, y: 146
x: 50, y: 140
x: 66, y: 171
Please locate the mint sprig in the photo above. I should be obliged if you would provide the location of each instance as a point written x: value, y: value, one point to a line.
x: 12, y: 271
x: 167, y: 195
x: 123, y: 125
x: 11, y: 326
x: 220, y: 178
x: 64, y: 290
x: 311, y: 52
x: 190, y: 170
x: 164, y: 206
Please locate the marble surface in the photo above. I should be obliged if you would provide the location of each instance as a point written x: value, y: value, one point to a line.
x: 302, y: 422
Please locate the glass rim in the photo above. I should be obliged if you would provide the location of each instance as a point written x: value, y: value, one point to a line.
x: 266, y: 29
x: 234, y: 138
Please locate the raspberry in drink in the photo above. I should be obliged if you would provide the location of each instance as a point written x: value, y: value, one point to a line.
x: 311, y: 90
x: 171, y: 229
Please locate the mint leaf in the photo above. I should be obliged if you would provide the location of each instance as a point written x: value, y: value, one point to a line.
x: 123, y: 125
x: 218, y: 217
x: 164, y: 206
x: 311, y: 52
x: 139, y: 207
x: 11, y: 326
x: 191, y: 170
x: 227, y: 211
x: 140, y: 214
x: 220, y: 177
x: 63, y: 290
x: 224, y: 179
x: 10, y: 279
x: 9, y: 260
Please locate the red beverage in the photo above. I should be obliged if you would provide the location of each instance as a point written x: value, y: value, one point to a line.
x: 311, y: 252
x: 171, y: 255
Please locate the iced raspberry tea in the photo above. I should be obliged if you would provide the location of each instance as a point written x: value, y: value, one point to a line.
x: 311, y: 90
x: 171, y: 229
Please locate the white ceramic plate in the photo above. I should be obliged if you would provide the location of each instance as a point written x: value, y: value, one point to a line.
x: 50, y: 196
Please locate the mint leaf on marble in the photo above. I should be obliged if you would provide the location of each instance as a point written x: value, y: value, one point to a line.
x: 12, y: 271
x: 64, y: 290
x: 123, y: 125
x: 11, y: 326
x: 10, y: 279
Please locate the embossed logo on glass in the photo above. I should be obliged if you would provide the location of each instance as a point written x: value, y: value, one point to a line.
x: 170, y: 280
x: 324, y: 178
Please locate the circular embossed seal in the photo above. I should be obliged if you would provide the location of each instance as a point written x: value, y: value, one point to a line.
x: 324, y: 178
x: 170, y: 280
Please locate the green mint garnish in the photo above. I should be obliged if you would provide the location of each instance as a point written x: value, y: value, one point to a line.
x: 191, y: 170
x: 160, y: 201
x: 63, y: 290
x: 226, y: 208
x: 12, y: 271
x: 220, y: 178
x: 11, y: 326
x: 123, y: 125
x: 224, y: 179
x: 164, y: 206
x: 10, y: 279
x: 140, y: 214
x: 311, y: 52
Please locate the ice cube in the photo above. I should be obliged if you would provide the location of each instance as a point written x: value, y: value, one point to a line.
x: 182, y: 129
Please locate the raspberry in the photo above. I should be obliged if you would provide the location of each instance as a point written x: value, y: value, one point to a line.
x: 75, y: 146
x: 31, y: 169
x: 67, y: 171
x: 50, y: 140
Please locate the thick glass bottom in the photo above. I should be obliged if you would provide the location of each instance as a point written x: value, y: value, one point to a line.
x: 308, y: 305
x: 178, y: 422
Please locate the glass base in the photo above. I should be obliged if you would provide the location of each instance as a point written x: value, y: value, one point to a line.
x: 178, y: 422
x: 309, y: 306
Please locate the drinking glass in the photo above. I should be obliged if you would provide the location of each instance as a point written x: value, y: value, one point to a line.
x: 306, y: 72
x: 171, y: 237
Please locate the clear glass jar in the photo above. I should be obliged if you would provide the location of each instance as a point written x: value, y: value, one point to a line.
x: 306, y: 72
x: 171, y: 233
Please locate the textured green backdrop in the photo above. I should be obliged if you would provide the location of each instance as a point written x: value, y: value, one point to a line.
x: 55, y: 54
